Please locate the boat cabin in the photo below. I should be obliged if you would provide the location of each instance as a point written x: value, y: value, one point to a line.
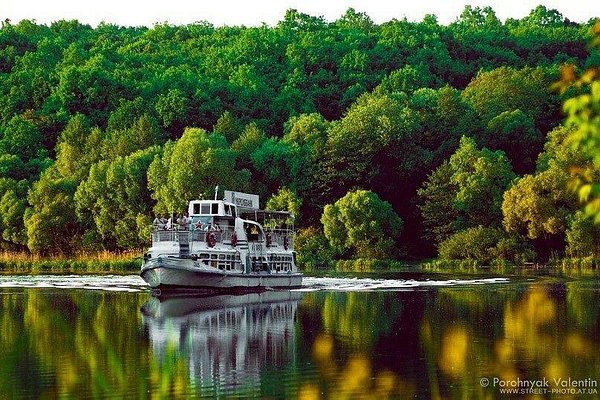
x: 211, y: 208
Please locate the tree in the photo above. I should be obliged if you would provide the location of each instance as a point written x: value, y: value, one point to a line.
x: 407, y: 79
x: 507, y: 89
x: 50, y: 222
x: 437, y: 204
x: 481, y: 177
x: 538, y: 205
x: 486, y: 245
x: 12, y: 209
x: 21, y: 138
x: 582, y: 236
x: 465, y: 191
x: 477, y: 243
x: 172, y: 108
x: 190, y: 168
x: 373, y: 140
x: 360, y: 223
x: 514, y: 133
x: 285, y: 200
x: 313, y: 249
x: 116, y: 195
x: 141, y: 134
x: 79, y: 147
x: 228, y: 126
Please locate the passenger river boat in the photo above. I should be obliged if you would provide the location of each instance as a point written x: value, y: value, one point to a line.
x: 224, y: 245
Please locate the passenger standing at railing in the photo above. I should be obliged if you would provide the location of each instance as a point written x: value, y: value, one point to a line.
x: 186, y: 222
x: 159, y: 223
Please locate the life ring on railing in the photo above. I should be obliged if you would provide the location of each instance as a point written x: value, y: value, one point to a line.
x: 211, y: 240
x: 286, y: 242
x: 233, y: 239
x: 269, y: 239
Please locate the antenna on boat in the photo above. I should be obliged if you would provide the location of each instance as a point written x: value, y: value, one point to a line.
x: 216, y: 191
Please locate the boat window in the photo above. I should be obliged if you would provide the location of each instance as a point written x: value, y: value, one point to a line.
x: 205, y: 209
x: 221, y: 256
x: 252, y: 232
x: 196, y: 209
x: 214, y: 208
x: 227, y: 209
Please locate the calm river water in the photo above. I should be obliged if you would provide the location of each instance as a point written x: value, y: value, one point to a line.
x: 414, y: 336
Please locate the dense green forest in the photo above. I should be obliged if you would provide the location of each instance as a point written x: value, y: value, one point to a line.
x: 399, y: 140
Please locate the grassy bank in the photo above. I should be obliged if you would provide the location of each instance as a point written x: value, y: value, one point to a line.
x: 86, y: 263
x: 573, y: 267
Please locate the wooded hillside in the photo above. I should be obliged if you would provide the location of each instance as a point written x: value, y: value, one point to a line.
x: 394, y: 140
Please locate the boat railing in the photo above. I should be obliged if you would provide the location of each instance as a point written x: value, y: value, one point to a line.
x: 187, y: 235
x: 282, y: 237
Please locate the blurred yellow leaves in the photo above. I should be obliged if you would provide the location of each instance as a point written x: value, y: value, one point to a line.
x: 354, y: 379
x: 453, y: 355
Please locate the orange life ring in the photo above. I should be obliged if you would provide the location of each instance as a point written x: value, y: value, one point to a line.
x: 211, y: 240
x: 233, y: 239
x: 269, y: 240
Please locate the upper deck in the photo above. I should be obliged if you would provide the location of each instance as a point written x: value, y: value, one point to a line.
x: 221, y: 222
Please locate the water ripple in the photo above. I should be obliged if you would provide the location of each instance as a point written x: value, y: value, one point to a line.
x: 119, y: 283
x: 366, y: 284
x: 133, y: 283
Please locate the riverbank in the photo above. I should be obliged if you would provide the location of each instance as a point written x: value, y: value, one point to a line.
x: 129, y: 262
x: 85, y: 263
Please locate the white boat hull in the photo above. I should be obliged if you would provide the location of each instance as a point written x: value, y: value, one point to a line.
x: 178, y: 273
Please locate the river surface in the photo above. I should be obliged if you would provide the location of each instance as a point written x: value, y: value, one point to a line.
x: 404, y: 336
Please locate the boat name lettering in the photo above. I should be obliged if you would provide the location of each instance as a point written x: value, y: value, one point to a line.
x: 244, y: 200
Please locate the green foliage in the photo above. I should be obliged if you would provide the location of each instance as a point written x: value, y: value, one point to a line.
x: 116, y: 196
x: 465, y: 192
x: 583, y: 237
x: 172, y: 108
x: 476, y: 243
x: 12, y: 209
x: 285, y: 200
x: 228, y: 126
x: 485, y: 245
x: 319, y: 108
x: 190, y: 168
x: 78, y: 148
x: 362, y: 224
x: 437, y: 204
x: 508, y: 89
x: 538, y: 205
x: 514, y: 133
x: 313, y: 250
x: 584, y: 113
x: 50, y: 222
x: 481, y: 177
x: 21, y: 138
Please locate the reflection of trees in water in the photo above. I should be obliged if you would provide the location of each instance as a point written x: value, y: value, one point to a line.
x: 359, y: 319
x: 545, y: 332
x: 432, y: 344
x: 352, y: 331
x: 62, y: 344
x: 463, y: 334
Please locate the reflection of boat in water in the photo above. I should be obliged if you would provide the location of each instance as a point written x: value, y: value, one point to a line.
x: 223, y: 245
x: 226, y: 340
